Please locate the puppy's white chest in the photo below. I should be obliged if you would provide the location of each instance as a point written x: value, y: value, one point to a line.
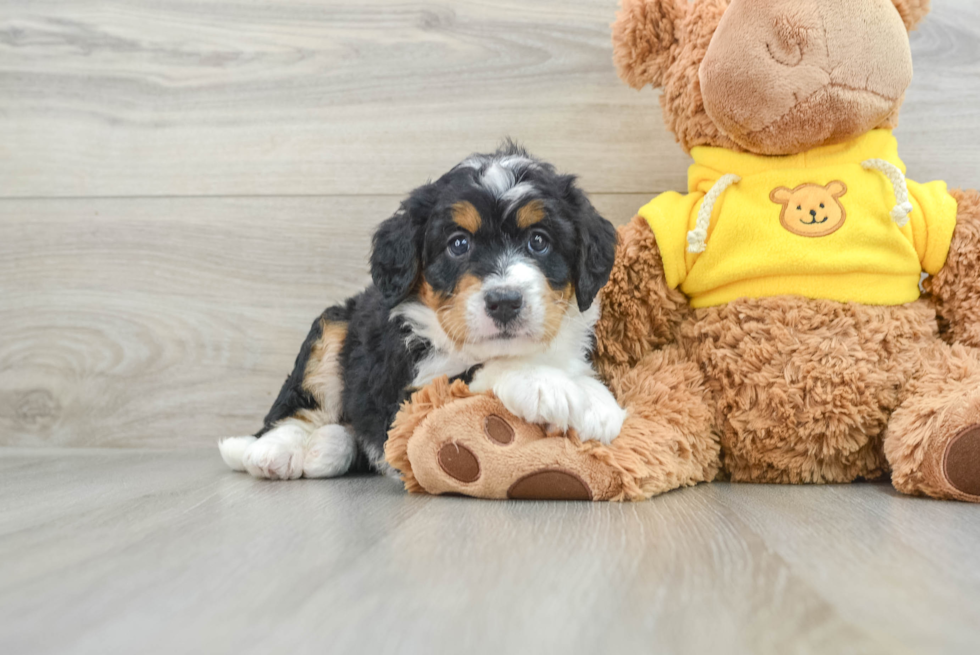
x: 437, y: 364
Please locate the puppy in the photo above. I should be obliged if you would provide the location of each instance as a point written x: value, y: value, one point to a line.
x: 488, y: 274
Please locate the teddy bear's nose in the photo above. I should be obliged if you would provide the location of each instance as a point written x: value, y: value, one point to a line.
x: 813, y: 212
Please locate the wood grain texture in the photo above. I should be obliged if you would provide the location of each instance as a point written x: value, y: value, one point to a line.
x: 163, y: 322
x: 167, y: 552
x: 185, y: 185
x: 340, y: 96
x: 347, y: 96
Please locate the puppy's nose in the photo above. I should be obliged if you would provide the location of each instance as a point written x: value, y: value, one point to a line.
x: 503, y: 305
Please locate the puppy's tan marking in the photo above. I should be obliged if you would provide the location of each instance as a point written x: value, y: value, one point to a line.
x: 466, y: 216
x: 322, y: 376
x: 451, y: 310
x: 555, y: 303
x: 529, y: 214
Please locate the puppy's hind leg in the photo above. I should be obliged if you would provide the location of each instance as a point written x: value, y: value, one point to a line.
x: 301, y: 434
x: 330, y: 452
x: 330, y: 448
x: 233, y: 449
x: 295, y: 449
x: 279, y: 453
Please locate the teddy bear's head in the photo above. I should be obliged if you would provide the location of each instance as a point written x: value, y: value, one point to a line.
x: 771, y: 77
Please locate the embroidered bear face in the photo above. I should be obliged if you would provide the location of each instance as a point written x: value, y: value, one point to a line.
x: 811, y: 210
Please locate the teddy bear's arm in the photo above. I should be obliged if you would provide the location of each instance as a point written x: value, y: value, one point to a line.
x: 956, y: 288
x: 640, y: 312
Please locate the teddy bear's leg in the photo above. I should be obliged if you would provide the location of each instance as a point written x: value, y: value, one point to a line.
x: 955, y: 290
x: 933, y: 439
x: 473, y: 446
x: 640, y: 312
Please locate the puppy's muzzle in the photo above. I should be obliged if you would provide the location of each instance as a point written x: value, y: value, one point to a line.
x: 504, y: 305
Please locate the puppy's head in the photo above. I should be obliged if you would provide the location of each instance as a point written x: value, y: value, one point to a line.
x: 500, y: 249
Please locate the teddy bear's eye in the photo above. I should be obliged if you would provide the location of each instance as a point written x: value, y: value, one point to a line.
x: 821, y: 206
x: 799, y: 208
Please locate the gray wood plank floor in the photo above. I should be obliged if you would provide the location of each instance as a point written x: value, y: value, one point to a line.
x: 112, y: 551
x: 184, y: 185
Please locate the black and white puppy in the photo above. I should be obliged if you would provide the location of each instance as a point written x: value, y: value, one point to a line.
x: 490, y: 274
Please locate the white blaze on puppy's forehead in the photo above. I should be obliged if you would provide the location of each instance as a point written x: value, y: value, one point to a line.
x: 497, y: 179
x: 516, y: 162
x: 476, y: 162
x: 515, y: 195
x: 499, y: 174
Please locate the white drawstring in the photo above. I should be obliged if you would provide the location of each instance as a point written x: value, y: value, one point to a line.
x: 697, y: 238
x: 901, y: 211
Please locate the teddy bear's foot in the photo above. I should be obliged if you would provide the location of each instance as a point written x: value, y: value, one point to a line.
x: 961, y: 462
x: 933, y: 439
x: 477, y: 448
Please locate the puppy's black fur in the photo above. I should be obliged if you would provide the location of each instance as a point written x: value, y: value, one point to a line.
x: 380, y: 354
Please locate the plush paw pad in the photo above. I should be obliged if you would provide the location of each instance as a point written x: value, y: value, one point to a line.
x: 498, y: 429
x: 478, y: 448
x: 961, y: 462
x: 551, y: 484
x: 459, y: 462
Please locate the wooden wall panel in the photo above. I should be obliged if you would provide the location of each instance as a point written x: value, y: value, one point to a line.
x: 167, y: 322
x: 184, y: 185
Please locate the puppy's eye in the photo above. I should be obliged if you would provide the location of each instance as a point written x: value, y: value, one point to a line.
x: 539, y: 244
x: 459, y: 245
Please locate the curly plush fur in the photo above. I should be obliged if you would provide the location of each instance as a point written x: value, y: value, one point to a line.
x: 779, y: 390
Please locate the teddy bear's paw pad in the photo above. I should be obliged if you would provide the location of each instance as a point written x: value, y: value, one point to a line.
x: 550, y: 484
x: 498, y: 430
x: 961, y: 463
x: 459, y: 462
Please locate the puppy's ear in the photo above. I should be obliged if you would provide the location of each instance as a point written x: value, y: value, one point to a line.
x: 646, y: 39
x: 912, y: 11
x: 596, y: 245
x: 396, y: 256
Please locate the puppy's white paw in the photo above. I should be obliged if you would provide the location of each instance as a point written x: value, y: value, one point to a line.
x: 540, y: 395
x: 330, y: 452
x: 549, y: 395
x: 233, y: 449
x: 600, y: 417
x: 277, y: 455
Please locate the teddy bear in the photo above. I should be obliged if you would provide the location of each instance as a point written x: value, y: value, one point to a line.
x: 803, y: 314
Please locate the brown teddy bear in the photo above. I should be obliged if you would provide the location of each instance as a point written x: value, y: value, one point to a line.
x: 768, y: 325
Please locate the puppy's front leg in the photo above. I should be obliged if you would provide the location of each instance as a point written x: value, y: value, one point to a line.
x: 547, y: 394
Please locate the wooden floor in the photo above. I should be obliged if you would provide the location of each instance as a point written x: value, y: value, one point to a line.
x: 185, y: 184
x: 113, y: 551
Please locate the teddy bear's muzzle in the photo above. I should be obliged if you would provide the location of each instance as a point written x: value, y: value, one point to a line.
x: 785, y: 76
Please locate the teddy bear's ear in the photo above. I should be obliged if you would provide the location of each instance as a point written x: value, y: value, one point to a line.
x: 837, y: 189
x: 645, y: 39
x: 912, y: 11
x: 781, y: 196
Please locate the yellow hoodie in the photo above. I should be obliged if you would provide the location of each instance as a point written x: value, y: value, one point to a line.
x: 821, y: 224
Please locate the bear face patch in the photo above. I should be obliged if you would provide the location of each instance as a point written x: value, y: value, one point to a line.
x: 811, y: 210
